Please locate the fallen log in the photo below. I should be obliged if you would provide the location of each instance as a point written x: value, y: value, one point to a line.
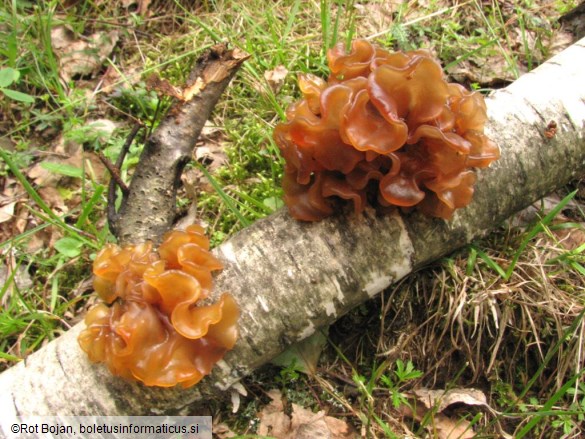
x: 291, y: 278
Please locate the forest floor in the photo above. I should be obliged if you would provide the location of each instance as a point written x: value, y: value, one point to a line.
x: 499, y: 351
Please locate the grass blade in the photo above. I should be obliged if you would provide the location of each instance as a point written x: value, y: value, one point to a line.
x: 548, y: 405
x: 539, y: 227
x: 489, y: 261
x: 88, y: 207
x: 38, y: 200
x: 229, y: 201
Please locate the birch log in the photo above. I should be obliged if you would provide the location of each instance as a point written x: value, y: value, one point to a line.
x: 291, y: 278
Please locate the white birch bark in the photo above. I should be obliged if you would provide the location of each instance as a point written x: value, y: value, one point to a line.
x: 291, y: 278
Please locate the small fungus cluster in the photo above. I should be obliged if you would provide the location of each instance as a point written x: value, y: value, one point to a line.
x: 386, y: 129
x: 155, y: 331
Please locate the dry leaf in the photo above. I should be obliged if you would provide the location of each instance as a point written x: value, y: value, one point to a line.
x: 440, y: 425
x: 276, y: 77
x: 7, y: 212
x: 70, y: 154
x: 571, y: 239
x: 376, y: 16
x: 64, y: 152
x: 308, y: 425
x: 21, y: 277
x: 211, y: 146
x: 444, y: 427
x: 113, y: 82
x: 222, y: 431
x: 101, y: 129
x: 441, y: 399
x: 304, y: 424
x: 42, y: 177
x: 211, y: 131
x: 163, y: 87
x: 143, y: 7
x: 211, y: 155
x: 22, y: 216
x: 490, y: 70
x: 273, y: 420
x: 53, y: 199
x: 82, y: 56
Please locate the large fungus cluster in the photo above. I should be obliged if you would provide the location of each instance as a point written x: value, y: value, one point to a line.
x: 155, y: 331
x: 386, y: 129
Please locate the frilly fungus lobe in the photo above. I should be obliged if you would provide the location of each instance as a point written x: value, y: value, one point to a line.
x: 386, y: 129
x: 155, y: 331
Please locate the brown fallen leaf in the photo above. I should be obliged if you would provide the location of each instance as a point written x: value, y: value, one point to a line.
x: 302, y: 424
x: 486, y: 71
x: 444, y: 427
x: 439, y: 425
x: 222, y: 431
x: 20, y: 276
x: 571, y: 239
x: 276, y: 77
x: 210, y: 152
x: 113, y: 82
x: 308, y: 425
x: 142, y: 7
x: 62, y: 151
x: 375, y: 17
x: 81, y: 56
x: 273, y: 420
x: 7, y: 211
x: 21, y: 217
x: 212, y: 155
x: 70, y: 154
x: 441, y: 399
x: 163, y: 87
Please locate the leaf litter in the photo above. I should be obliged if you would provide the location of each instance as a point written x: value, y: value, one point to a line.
x: 81, y: 56
x: 301, y: 423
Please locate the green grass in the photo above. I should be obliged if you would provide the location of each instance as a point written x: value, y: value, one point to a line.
x: 484, y: 302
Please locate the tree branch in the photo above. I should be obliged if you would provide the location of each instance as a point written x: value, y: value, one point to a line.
x: 149, y: 209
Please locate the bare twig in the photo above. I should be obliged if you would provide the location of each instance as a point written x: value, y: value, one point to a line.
x: 116, y: 180
x: 149, y: 208
x: 114, y: 171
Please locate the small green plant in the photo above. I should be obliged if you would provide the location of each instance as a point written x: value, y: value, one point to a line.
x: 576, y: 414
x: 142, y: 103
x: 401, y: 375
x: 288, y: 374
x: 9, y: 77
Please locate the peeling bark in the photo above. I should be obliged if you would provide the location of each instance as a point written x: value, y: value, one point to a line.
x: 149, y: 209
x: 291, y: 278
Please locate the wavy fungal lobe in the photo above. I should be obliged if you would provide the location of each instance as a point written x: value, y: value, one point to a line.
x: 386, y: 129
x: 155, y: 330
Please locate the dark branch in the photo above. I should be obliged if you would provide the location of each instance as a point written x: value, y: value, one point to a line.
x: 149, y: 209
x: 116, y: 180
